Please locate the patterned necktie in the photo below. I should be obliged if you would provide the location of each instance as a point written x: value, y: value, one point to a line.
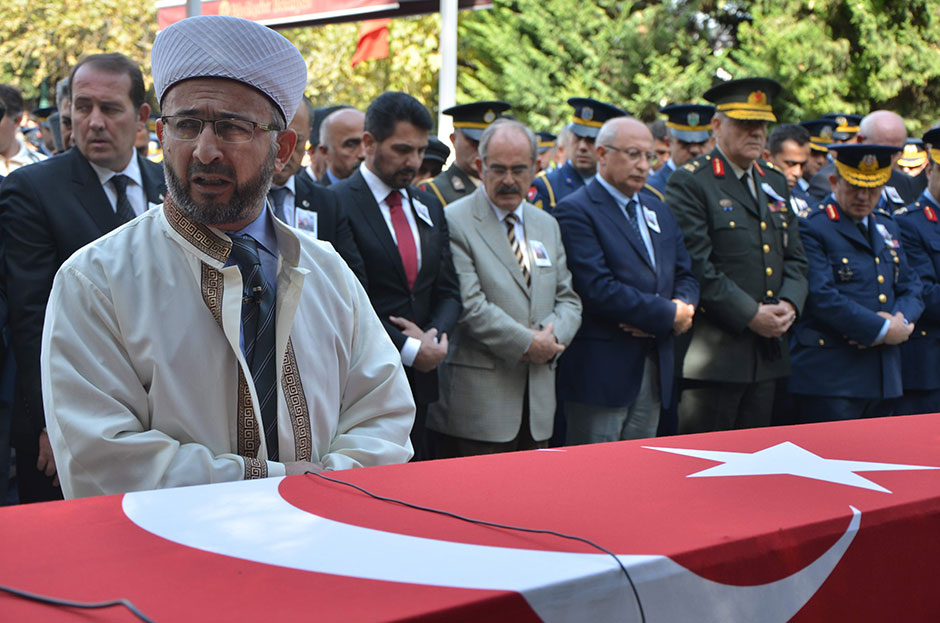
x: 277, y: 196
x: 124, y: 210
x: 631, y: 218
x: 511, y: 220
x: 258, y: 307
x: 406, y: 241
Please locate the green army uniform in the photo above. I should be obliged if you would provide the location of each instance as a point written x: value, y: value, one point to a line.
x: 450, y: 185
x: 746, y: 250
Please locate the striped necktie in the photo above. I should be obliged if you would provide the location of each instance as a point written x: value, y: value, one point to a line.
x: 123, y: 208
x: 258, y: 307
x: 511, y: 220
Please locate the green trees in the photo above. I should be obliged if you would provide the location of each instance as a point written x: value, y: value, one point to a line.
x: 830, y: 55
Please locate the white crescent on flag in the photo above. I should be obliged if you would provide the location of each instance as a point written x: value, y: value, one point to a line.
x: 560, y: 587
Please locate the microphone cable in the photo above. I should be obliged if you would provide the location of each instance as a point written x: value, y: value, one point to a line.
x: 492, y: 524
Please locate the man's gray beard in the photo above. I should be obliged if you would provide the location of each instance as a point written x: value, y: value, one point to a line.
x: 245, y: 198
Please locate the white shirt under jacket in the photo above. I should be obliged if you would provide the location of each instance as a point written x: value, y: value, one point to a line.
x: 145, y: 386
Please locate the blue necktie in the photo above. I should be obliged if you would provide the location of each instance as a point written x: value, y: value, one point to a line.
x: 258, y: 307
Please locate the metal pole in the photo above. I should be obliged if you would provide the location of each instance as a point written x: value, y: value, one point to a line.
x: 193, y: 7
x: 447, y: 81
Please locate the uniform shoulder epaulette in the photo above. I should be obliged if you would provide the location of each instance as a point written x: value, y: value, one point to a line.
x: 423, y: 182
x: 901, y: 211
x: 430, y: 185
x: 769, y: 168
x: 883, y: 212
x: 655, y: 192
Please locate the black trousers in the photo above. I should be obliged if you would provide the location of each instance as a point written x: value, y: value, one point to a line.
x: 708, y: 406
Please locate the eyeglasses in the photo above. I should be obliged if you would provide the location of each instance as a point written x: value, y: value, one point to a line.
x: 500, y: 171
x: 228, y: 130
x: 634, y: 154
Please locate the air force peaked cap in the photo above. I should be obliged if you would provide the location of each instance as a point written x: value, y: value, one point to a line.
x: 864, y: 165
x: 590, y: 115
x: 219, y: 46
x: 689, y: 122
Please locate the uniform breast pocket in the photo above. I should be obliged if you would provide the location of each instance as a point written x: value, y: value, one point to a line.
x: 843, y: 270
x: 730, y: 238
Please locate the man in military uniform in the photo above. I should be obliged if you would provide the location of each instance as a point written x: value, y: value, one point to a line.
x: 689, y: 128
x: 749, y: 261
x: 461, y: 178
x: 863, y: 301
x: 788, y: 150
x: 546, y: 150
x: 820, y: 136
x: 913, y: 162
x: 589, y: 115
x: 920, y: 239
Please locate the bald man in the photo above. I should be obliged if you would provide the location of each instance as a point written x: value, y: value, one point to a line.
x: 880, y: 127
x: 634, y: 277
x: 341, y: 144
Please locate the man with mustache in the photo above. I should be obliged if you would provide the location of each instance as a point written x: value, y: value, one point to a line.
x: 519, y: 308
x: 51, y: 209
x: 403, y: 240
x: 208, y: 341
x: 748, y: 259
x: 864, y: 296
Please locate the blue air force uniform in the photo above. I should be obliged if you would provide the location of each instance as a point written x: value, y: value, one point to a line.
x: 855, y: 271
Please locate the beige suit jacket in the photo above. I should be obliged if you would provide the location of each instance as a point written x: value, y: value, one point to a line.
x: 483, y: 380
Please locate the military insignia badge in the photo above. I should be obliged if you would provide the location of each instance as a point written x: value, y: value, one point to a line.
x: 458, y: 184
x: 890, y: 241
x: 757, y: 97
x: 845, y: 274
x: 693, y: 118
x: 869, y: 164
x: 826, y: 133
x: 587, y: 113
x: 726, y: 205
x: 532, y: 193
x: 718, y: 167
x: 831, y: 212
x: 930, y: 214
x: 489, y: 117
x: 842, y: 121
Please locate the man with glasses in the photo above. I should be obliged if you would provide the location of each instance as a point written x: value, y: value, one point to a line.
x: 748, y: 259
x: 519, y: 309
x: 635, y: 280
x: 51, y: 209
x: 208, y: 341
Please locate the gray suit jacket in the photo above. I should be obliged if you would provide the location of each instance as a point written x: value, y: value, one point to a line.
x: 483, y: 381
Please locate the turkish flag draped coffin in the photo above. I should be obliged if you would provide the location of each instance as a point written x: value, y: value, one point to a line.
x: 827, y: 522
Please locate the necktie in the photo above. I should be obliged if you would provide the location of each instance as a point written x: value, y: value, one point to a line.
x: 406, y: 241
x: 862, y: 227
x: 510, y: 221
x: 258, y: 307
x: 124, y: 210
x: 631, y: 218
x: 277, y: 196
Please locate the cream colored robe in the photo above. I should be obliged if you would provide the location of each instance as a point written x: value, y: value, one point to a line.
x: 145, y: 385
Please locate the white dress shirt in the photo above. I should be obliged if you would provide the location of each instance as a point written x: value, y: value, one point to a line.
x: 135, y: 188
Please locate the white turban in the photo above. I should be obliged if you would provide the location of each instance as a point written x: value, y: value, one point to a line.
x: 218, y: 46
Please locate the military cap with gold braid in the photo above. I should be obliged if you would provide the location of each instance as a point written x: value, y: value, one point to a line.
x: 864, y: 165
x: 546, y: 141
x: 473, y: 118
x: 590, y: 115
x: 846, y: 125
x: 689, y: 122
x: 914, y: 154
x: 745, y: 99
x: 932, y: 140
x: 820, y: 133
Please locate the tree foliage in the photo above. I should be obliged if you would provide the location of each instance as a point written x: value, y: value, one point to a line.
x: 830, y: 55
x: 40, y: 40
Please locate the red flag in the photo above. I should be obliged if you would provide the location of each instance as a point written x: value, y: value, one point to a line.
x: 373, y: 41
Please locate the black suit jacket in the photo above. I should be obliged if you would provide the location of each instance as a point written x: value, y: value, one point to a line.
x: 435, y: 299
x: 332, y: 222
x: 48, y: 210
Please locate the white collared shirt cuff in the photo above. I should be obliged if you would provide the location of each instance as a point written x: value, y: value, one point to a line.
x: 884, y: 331
x: 409, y: 351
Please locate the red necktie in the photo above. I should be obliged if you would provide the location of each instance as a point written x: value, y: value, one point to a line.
x: 406, y: 241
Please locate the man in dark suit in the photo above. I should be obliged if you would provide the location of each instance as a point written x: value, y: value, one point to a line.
x: 51, y: 209
x: 551, y: 187
x: 746, y: 254
x: 633, y: 274
x: 402, y: 238
x: 300, y: 202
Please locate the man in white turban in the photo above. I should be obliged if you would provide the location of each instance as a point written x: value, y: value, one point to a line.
x: 206, y: 341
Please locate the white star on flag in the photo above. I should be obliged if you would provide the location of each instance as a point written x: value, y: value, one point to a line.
x: 789, y: 458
